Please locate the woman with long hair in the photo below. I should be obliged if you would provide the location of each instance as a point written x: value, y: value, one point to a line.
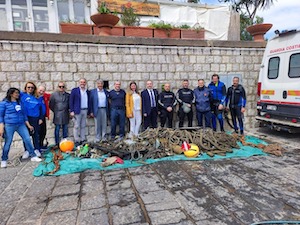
x: 33, y: 110
x: 13, y: 119
x: 133, y: 103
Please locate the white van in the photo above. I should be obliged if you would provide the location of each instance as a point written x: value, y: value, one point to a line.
x: 278, y: 86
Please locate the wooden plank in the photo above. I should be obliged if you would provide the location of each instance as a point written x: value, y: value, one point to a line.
x: 141, y: 8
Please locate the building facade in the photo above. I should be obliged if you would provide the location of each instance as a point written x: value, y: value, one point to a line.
x: 219, y: 22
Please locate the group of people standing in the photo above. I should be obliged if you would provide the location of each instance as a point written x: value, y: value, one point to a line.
x: 25, y: 112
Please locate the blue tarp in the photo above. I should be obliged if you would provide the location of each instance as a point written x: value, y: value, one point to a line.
x: 71, y: 164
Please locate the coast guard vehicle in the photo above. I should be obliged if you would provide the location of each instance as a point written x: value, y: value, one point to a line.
x: 278, y: 87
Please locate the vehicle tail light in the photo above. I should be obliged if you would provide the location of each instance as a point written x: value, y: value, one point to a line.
x: 294, y: 121
x: 258, y: 89
x: 268, y: 116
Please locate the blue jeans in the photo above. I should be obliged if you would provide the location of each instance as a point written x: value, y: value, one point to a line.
x: 117, y: 116
x: 56, y: 132
x: 9, y: 130
x: 207, y: 116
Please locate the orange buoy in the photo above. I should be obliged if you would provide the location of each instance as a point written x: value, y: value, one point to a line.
x: 66, y: 145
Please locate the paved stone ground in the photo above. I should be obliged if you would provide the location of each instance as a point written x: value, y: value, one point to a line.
x: 232, y: 191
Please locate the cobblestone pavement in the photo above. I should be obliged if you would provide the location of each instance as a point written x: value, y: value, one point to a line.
x: 232, y: 191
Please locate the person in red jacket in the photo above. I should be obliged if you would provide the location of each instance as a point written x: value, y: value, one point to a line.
x: 44, y: 98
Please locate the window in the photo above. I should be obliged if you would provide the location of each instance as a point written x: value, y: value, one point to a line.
x: 63, y: 10
x: 273, y: 69
x: 20, y: 15
x: 79, y: 11
x: 3, y: 16
x: 42, y: 3
x: 294, y: 67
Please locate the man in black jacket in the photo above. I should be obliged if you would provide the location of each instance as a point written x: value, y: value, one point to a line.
x: 236, y: 96
x: 186, y: 98
x: 167, y: 102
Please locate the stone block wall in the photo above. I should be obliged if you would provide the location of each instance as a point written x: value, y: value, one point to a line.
x: 47, y: 63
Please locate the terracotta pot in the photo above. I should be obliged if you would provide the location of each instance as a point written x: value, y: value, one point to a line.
x: 114, y: 31
x: 75, y: 28
x: 138, y: 31
x: 163, y: 33
x: 192, y: 34
x: 117, y: 31
x: 258, y: 30
x: 105, y: 22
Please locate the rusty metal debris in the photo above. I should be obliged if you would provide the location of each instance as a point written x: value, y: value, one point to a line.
x: 274, y: 149
x: 162, y: 142
x: 57, y: 155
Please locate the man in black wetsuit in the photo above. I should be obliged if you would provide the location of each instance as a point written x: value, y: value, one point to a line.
x: 167, y: 102
x: 186, y: 98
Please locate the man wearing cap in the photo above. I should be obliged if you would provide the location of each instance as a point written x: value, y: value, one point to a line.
x: 185, y: 97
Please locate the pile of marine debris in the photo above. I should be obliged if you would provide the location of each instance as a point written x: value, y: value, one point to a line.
x: 162, y: 142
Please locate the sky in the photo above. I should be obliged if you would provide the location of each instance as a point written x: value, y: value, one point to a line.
x: 283, y: 14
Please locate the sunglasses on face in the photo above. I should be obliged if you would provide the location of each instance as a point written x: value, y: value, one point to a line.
x: 61, y: 86
x: 30, y: 87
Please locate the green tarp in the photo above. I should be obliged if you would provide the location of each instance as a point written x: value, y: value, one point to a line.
x: 71, y: 164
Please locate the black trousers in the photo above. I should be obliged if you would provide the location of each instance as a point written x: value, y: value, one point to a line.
x: 237, y: 114
x: 164, y: 115
x: 43, y: 132
x: 182, y: 114
x: 151, y: 119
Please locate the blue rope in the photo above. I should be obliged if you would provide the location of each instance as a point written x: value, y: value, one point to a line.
x: 276, y: 222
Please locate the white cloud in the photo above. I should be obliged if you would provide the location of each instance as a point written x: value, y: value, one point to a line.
x: 283, y: 14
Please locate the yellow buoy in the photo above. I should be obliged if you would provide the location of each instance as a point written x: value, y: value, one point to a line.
x: 192, y: 152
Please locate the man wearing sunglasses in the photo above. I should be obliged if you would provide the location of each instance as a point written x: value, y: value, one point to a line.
x: 59, y: 105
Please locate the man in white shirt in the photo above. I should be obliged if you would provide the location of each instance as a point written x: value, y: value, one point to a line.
x: 79, y: 109
x: 99, y: 110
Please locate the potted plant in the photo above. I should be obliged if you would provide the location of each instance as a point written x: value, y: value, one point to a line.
x: 188, y: 32
x: 259, y: 29
x: 131, y: 22
x: 164, y: 30
x: 71, y: 27
x: 104, y: 20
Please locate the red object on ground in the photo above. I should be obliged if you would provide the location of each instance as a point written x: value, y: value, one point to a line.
x: 185, y: 146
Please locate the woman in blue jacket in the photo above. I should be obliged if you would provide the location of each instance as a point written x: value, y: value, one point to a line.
x: 13, y: 119
x: 33, y: 109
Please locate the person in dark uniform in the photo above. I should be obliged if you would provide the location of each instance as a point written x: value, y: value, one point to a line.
x: 236, y: 96
x: 218, y: 90
x: 167, y: 102
x: 186, y: 98
x: 117, y: 110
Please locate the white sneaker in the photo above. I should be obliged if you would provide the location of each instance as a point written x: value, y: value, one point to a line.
x: 25, y: 155
x: 3, y: 164
x: 36, y: 159
x: 37, y: 153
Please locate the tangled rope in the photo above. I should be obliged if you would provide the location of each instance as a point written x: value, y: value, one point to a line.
x: 162, y: 142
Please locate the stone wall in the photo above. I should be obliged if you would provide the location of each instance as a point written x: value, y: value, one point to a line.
x: 49, y: 58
